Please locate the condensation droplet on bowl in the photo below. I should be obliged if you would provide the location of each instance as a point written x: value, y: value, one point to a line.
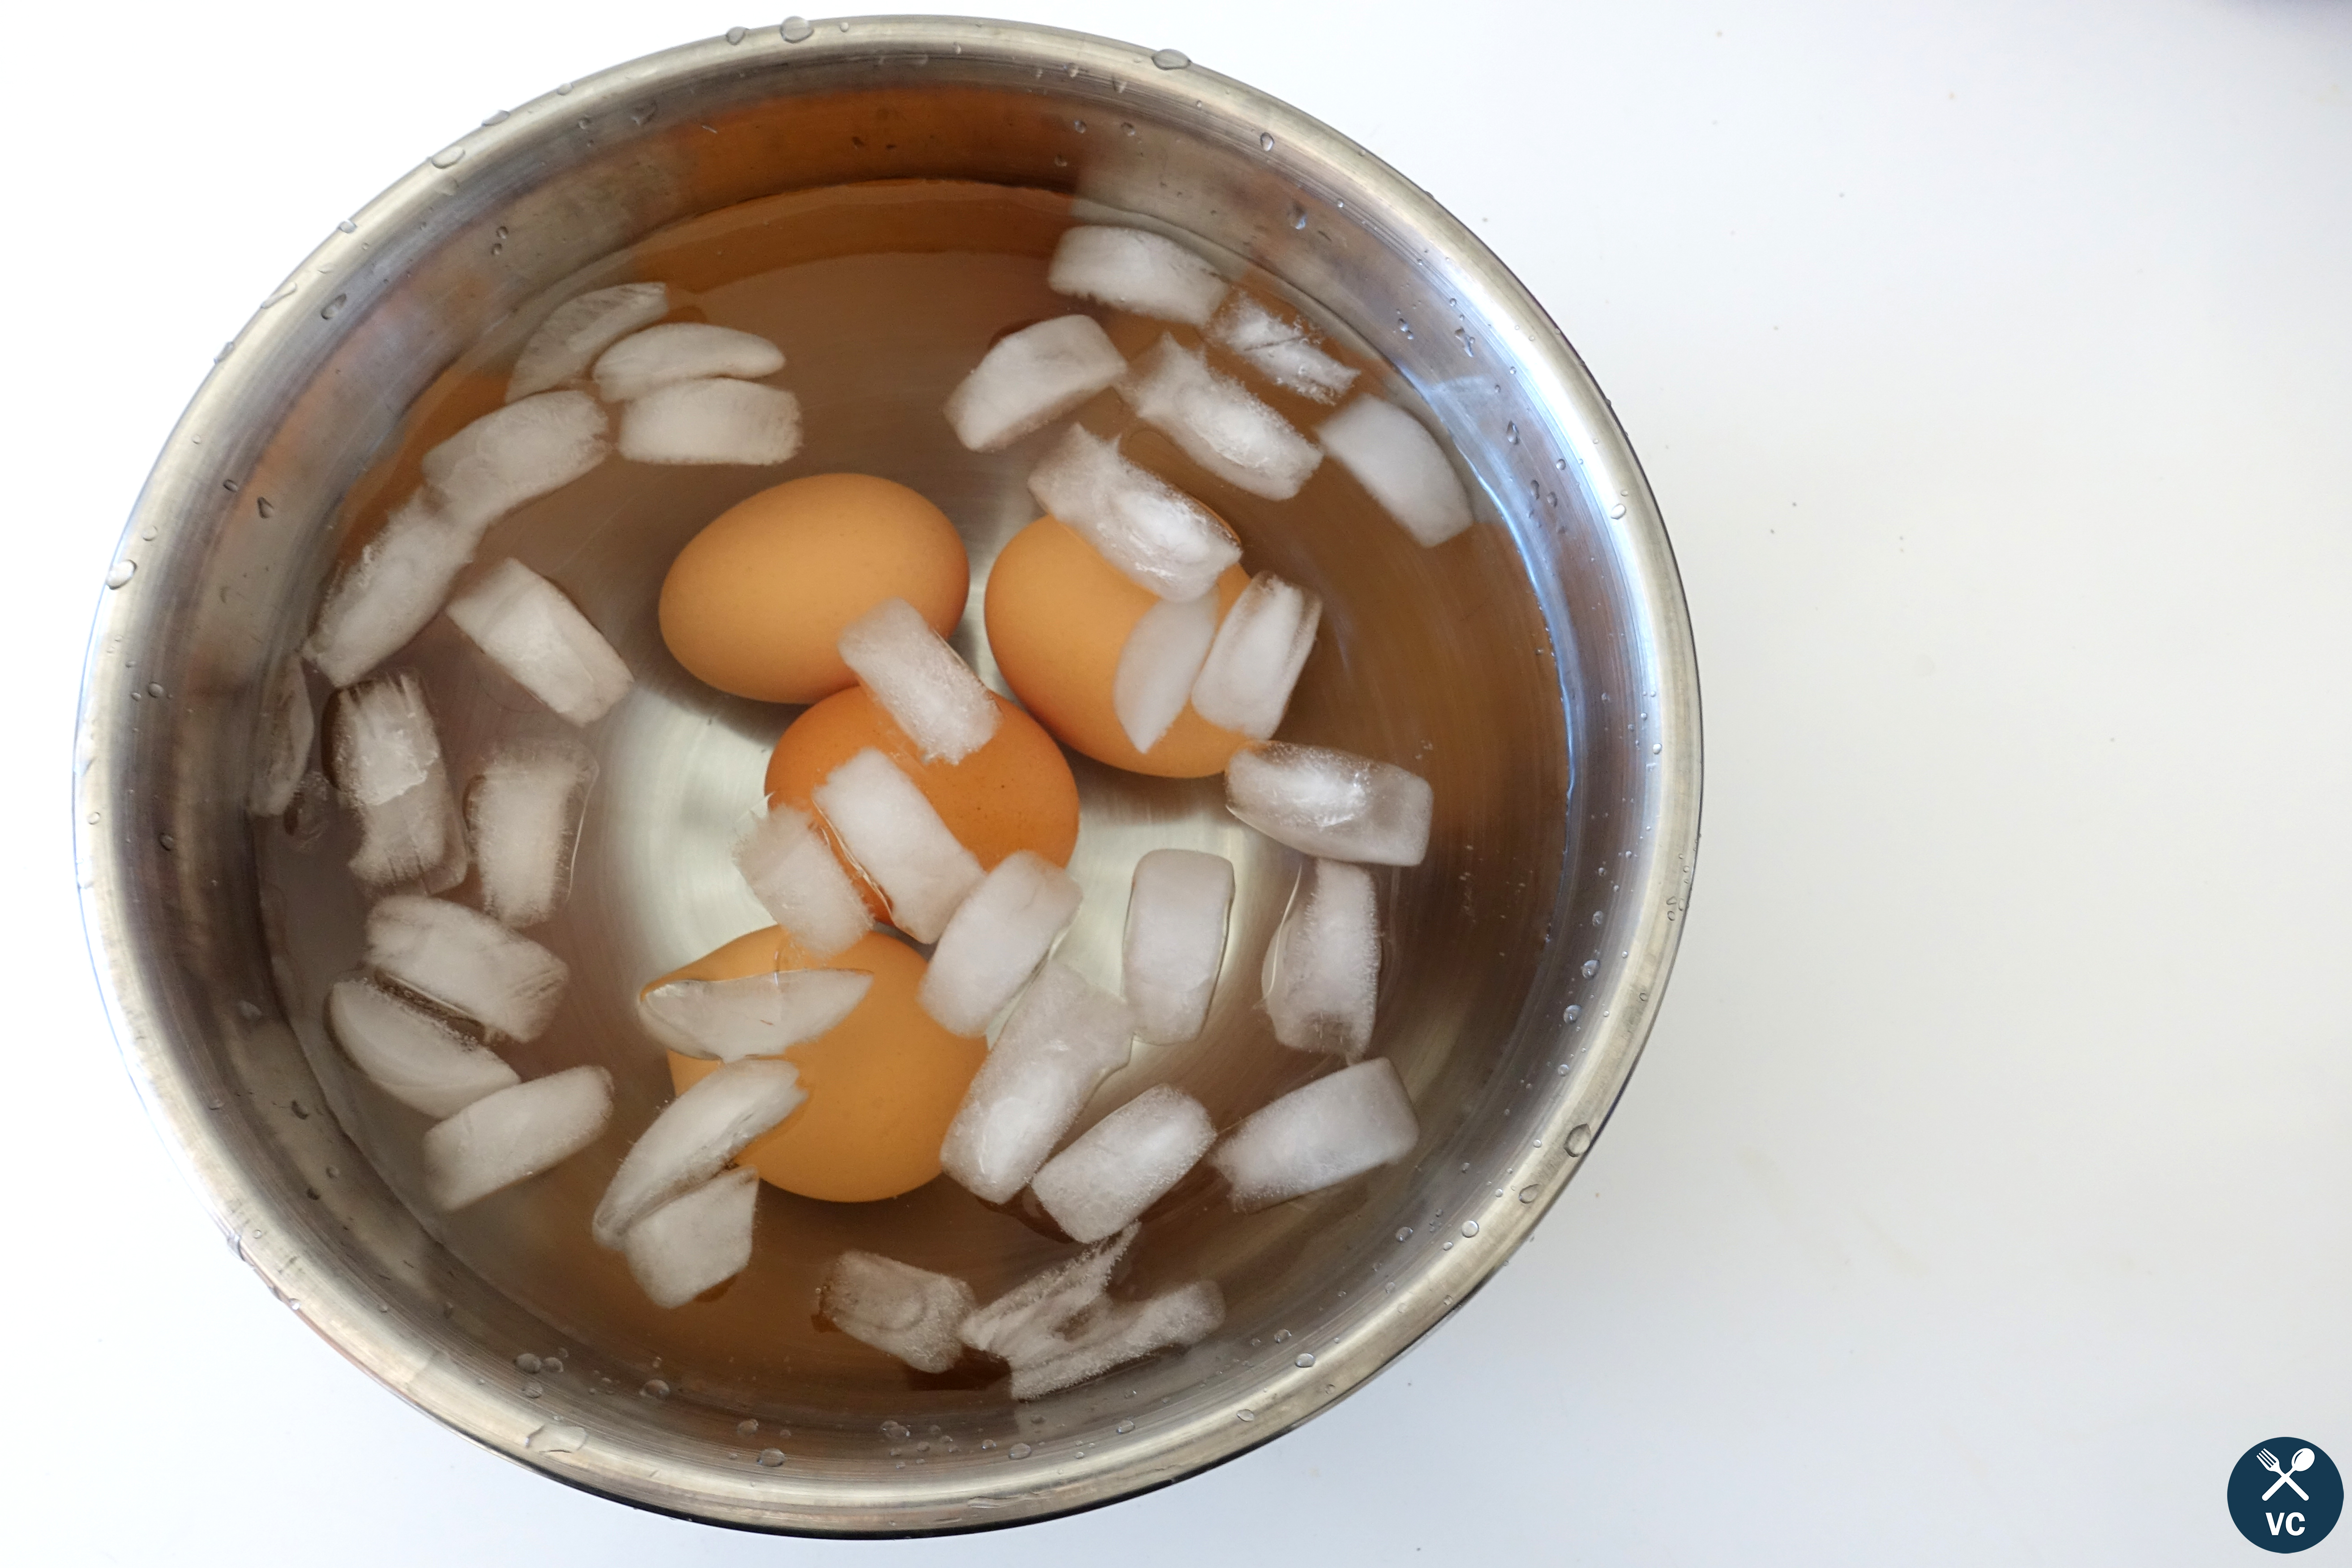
x: 1244, y: 1415
x: 527, y: 1362
x: 1171, y: 59
x: 327, y: 312
x: 1571, y: 1016
x: 497, y: 117
x: 1617, y: 508
x: 1579, y: 1139
x: 737, y: 35
x: 1469, y: 1227
x: 558, y: 1438
x: 1124, y: 1427
x: 347, y: 226
x: 655, y: 1388
x: 1512, y: 430
x: 1444, y: 1247
x: 1280, y: 1335
x: 746, y: 1426
x: 1266, y: 140
x: 1653, y: 748
x: 1403, y: 1233
x: 797, y: 29
x: 1563, y: 1069
x: 531, y: 1388
x: 448, y: 157
x: 1019, y: 1451
x: 1529, y: 1195
x: 1298, y: 217
x: 1597, y: 917
x: 120, y: 572
x: 772, y: 1457
x: 1306, y: 1358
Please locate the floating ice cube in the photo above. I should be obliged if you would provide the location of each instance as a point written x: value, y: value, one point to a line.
x: 1031, y: 378
x: 1063, y: 1037
x: 523, y: 815
x: 1118, y: 1332
x: 387, y: 759
x: 1019, y: 1326
x: 1157, y: 666
x: 579, y: 329
x: 763, y: 1015
x: 682, y: 350
x: 795, y: 875
x: 899, y: 841
x: 1282, y: 350
x: 1394, y: 457
x: 923, y: 684
x: 996, y: 940
x: 282, y: 749
x: 699, y: 1240
x: 381, y: 599
x: 1138, y: 271
x: 1318, y: 1136
x: 409, y: 1054
x: 466, y: 961
x: 896, y: 1308
x: 1331, y: 802
x: 1322, y: 970
x: 694, y: 1137
x: 527, y: 627
x: 1160, y: 537
x: 1218, y: 422
x: 514, y: 455
x: 1124, y: 1163
x: 514, y: 1134
x: 715, y: 421
x: 1245, y: 682
x: 1175, y: 944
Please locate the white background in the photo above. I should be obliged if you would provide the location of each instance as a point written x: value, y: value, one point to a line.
x: 1982, y: 1194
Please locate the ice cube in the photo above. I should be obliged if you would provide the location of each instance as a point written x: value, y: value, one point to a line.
x: 1335, y: 804
x: 694, y: 1137
x: 523, y: 814
x: 1157, y: 666
x: 1245, y: 682
x: 1282, y: 350
x: 514, y: 1134
x: 399, y: 582
x: 682, y: 350
x: 700, y: 1240
x: 1218, y: 422
x: 896, y: 1308
x: 1019, y: 1326
x: 1124, y: 1163
x: 1318, y: 1136
x: 996, y: 940
x: 1118, y: 1332
x: 1160, y: 537
x: 792, y: 872
x: 1176, y: 913
x: 579, y: 329
x: 387, y: 759
x: 1063, y: 1038
x: 763, y: 1015
x: 466, y: 961
x: 899, y: 841
x: 409, y: 1054
x: 923, y: 684
x: 1135, y: 271
x: 715, y: 421
x: 1031, y: 378
x: 1394, y: 457
x: 514, y: 455
x: 282, y: 747
x: 1322, y: 970
x: 527, y: 627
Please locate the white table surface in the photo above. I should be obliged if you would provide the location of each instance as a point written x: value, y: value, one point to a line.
x: 1982, y: 1193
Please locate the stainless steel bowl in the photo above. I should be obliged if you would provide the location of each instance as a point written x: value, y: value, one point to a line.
x: 1541, y: 673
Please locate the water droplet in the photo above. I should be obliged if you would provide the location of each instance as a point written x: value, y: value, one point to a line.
x: 1266, y: 140
x: 737, y: 35
x: 1080, y: 126
x: 796, y: 29
x: 1298, y: 217
x: 1171, y: 59
x: 1469, y: 1227
x: 1573, y: 1015
x: 1128, y: 126
x: 531, y: 1388
x: 497, y: 116
x: 167, y: 841
x: 120, y: 572
x: 892, y: 1430
x: 558, y: 1438
x: 1529, y: 1195
x: 92, y: 819
x: 448, y: 157
x: 332, y: 308
x: 772, y: 1457
x: 1597, y: 917
x: 155, y: 689
x: 552, y: 1366
x: 527, y: 1362
x: 562, y: 88
x: 1579, y: 1139
x: 1306, y: 1358
x: 1512, y: 430
x: 746, y: 1426
x: 1244, y: 1415
x: 1446, y: 1247
x: 1124, y: 1427
x: 655, y: 1388
x: 1592, y: 968
x: 1279, y: 1335
x: 1019, y: 1451
x: 263, y: 505
x: 1404, y: 326
x: 1560, y: 463
x: 285, y: 291
x: 1617, y: 508
x: 1563, y: 1069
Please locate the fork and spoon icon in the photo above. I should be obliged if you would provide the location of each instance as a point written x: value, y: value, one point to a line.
x: 2300, y: 1461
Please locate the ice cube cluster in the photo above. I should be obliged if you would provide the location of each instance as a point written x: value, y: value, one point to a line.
x: 523, y: 812
x: 528, y: 628
x: 1063, y: 1038
x: 1135, y: 270
x: 513, y: 1134
x: 466, y: 961
x: 1160, y: 537
x: 388, y: 766
x: 896, y: 837
x: 1031, y: 378
x: 792, y: 872
x: 1219, y: 423
x: 694, y: 1137
x: 1283, y: 352
x: 926, y: 687
x: 899, y: 1308
x: 1254, y: 660
x: 996, y: 941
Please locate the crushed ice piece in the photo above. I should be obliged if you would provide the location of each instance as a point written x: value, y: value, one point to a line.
x: 1245, y: 682
x: 1394, y: 457
x: 466, y: 961
x: 523, y: 814
x: 899, y: 841
x: 763, y: 1015
x: 1124, y: 1163
x: 694, y: 1137
x: 1160, y: 538
x: 1318, y: 1136
x: 795, y: 876
x: 514, y: 1134
x: 896, y: 1308
x: 1135, y: 270
x: 923, y: 684
x: 1158, y: 664
x: 384, y: 597
x: 387, y: 762
x: 1218, y: 422
x: 714, y: 421
x: 1335, y: 804
x: 1019, y: 1326
x: 1175, y: 943
x: 698, y: 1240
x: 1282, y: 350
x: 996, y: 941
x: 682, y: 350
x: 531, y: 630
x: 514, y: 455
x: 1030, y: 378
x: 1063, y: 1038
x: 409, y: 1054
x: 282, y: 752
x: 1123, y: 1332
x: 1322, y: 971
x: 579, y: 329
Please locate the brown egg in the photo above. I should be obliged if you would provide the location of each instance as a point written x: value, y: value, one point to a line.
x: 755, y: 602
x: 1058, y: 618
